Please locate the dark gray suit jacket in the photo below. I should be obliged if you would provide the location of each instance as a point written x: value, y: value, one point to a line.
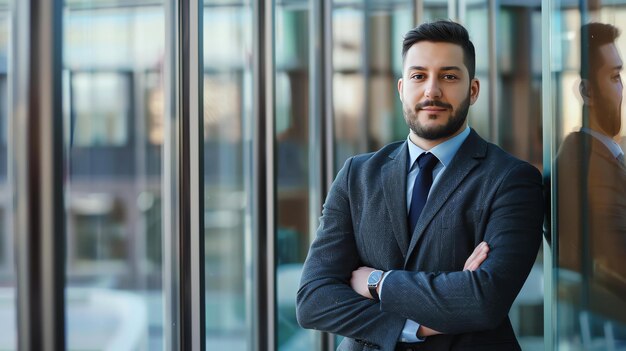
x: 484, y: 194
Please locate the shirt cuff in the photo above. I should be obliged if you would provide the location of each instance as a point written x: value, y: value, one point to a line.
x: 409, y: 333
x: 380, y: 291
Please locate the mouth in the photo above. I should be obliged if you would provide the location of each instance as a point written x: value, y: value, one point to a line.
x: 434, y: 109
x: 433, y: 106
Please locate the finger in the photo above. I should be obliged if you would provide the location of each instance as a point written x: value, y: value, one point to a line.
x: 477, y: 257
x: 477, y: 261
x: 472, y: 257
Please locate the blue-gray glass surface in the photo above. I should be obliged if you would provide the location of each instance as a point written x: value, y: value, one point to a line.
x: 113, y: 76
x: 293, y: 165
x: 367, y: 46
x: 8, y: 328
x: 590, y: 180
x: 227, y: 120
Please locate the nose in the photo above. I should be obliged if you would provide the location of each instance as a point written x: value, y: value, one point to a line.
x: 433, y: 90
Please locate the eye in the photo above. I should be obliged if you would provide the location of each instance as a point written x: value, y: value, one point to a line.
x: 450, y: 77
x: 417, y: 76
x: 617, y: 77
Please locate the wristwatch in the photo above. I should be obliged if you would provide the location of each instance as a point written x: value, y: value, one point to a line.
x: 373, y: 281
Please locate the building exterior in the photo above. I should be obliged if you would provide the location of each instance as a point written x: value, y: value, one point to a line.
x: 163, y: 163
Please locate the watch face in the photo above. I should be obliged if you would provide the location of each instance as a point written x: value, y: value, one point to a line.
x: 374, y: 277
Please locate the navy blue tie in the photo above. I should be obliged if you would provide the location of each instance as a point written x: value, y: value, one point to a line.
x: 421, y: 187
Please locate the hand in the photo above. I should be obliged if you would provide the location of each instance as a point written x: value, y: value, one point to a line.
x: 477, y: 257
x: 358, y: 282
x: 473, y: 262
x: 423, y: 332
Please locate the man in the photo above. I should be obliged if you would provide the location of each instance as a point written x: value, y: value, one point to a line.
x: 591, y: 182
x: 384, y: 286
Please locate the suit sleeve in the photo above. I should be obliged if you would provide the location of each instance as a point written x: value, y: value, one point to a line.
x: 325, y: 300
x: 466, y: 301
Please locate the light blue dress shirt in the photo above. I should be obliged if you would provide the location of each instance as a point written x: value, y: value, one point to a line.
x: 614, y: 147
x: 445, y: 153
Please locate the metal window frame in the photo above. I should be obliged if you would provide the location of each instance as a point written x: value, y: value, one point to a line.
x: 170, y: 203
x: 36, y: 171
x: 263, y: 178
x: 183, y: 180
x: 549, y: 147
x: 189, y: 83
x: 321, y: 123
x: 494, y: 124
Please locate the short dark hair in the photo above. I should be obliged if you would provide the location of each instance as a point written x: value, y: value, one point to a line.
x: 592, y: 36
x: 443, y: 31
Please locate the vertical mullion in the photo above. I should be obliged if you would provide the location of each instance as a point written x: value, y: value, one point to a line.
x: 263, y: 170
x: 328, y: 130
x: 418, y: 15
x: 37, y: 139
x: 550, y: 242
x: 191, y: 186
x: 494, y: 128
x: 366, y: 71
x: 320, y: 121
x: 170, y: 204
x: 452, y: 10
x: 462, y: 11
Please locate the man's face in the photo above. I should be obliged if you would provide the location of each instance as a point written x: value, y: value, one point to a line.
x: 606, y: 98
x: 436, y: 90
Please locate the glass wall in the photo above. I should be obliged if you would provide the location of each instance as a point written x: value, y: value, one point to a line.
x: 515, y: 90
x: 8, y: 328
x: 293, y: 165
x: 113, y: 104
x: 586, y: 115
x: 367, y: 62
x: 227, y: 42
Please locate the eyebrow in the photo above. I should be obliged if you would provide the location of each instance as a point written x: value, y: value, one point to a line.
x: 444, y: 68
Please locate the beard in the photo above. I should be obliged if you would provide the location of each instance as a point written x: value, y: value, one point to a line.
x: 455, y: 122
x: 609, y: 117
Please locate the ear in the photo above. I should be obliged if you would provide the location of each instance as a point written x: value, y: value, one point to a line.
x: 400, y: 89
x: 586, y: 92
x: 474, y: 90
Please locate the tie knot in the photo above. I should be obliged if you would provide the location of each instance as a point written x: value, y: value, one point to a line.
x: 427, y: 161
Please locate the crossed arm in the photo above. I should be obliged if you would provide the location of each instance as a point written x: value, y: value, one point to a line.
x: 448, y: 302
x: 358, y: 282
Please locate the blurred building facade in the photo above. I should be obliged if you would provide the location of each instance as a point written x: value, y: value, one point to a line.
x: 171, y: 179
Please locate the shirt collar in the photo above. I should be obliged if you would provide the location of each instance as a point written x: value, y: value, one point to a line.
x: 614, y: 147
x: 444, y: 151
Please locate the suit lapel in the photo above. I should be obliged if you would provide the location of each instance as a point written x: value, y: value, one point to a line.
x: 467, y: 158
x: 394, y: 174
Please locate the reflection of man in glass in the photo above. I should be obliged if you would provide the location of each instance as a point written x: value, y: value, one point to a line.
x: 591, y: 181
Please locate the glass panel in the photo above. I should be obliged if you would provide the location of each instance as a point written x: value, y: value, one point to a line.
x: 292, y: 166
x: 367, y: 62
x: 519, y: 81
x: 227, y: 130
x: 8, y: 328
x: 589, y: 244
x: 519, y: 128
x: 435, y: 10
x: 477, y: 22
x: 97, y: 122
x: 113, y: 103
